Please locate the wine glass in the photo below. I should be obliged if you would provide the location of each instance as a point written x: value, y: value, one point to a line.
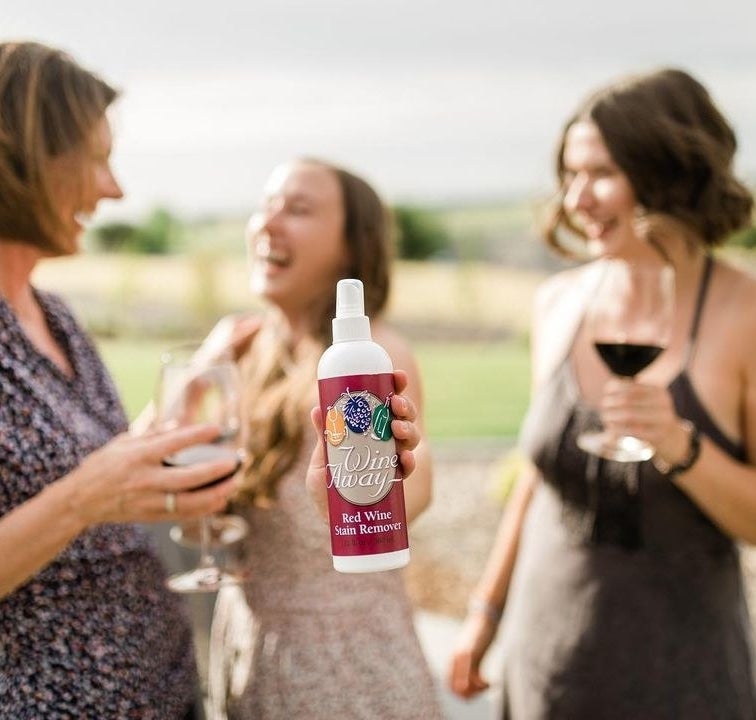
x: 630, y: 321
x: 194, y: 390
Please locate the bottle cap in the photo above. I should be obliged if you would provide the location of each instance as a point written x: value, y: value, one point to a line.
x: 350, y: 322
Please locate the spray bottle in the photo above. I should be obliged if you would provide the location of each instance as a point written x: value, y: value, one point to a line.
x: 365, y: 489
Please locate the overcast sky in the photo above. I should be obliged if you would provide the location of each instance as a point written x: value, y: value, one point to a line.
x: 431, y: 101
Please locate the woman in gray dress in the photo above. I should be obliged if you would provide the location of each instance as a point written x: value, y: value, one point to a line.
x: 623, y: 590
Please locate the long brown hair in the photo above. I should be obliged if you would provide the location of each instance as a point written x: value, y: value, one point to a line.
x: 279, y: 376
x: 666, y: 134
x: 49, y: 105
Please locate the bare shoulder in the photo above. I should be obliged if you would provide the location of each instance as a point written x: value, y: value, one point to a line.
x: 734, y: 299
x: 395, y: 344
x: 232, y: 333
x: 553, y: 291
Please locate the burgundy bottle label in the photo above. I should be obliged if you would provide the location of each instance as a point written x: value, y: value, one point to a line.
x: 365, y: 492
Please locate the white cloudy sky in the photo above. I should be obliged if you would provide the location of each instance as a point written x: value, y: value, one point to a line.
x: 430, y: 99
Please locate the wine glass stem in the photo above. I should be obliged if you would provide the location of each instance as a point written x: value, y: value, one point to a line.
x: 206, y: 557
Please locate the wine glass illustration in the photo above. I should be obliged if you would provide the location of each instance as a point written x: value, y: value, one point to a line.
x: 630, y: 321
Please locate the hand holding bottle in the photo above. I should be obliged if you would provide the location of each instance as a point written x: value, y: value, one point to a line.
x: 406, y: 434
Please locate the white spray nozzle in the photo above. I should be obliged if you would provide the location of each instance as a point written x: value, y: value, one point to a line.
x: 350, y: 322
x: 350, y: 299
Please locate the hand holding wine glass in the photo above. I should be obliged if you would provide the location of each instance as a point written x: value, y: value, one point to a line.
x: 192, y: 391
x: 630, y: 322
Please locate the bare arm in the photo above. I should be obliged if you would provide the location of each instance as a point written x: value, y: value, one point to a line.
x: 489, y: 597
x: 555, y: 316
x: 722, y: 487
x: 121, y: 482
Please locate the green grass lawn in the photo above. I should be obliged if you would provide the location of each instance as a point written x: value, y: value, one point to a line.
x: 472, y: 390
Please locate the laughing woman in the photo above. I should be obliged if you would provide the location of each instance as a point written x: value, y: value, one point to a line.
x: 301, y: 640
x: 623, y: 590
x: 87, y: 629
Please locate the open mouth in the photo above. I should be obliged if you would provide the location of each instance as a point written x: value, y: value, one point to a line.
x: 83, y: 218
x: 277, y: 258
x: 597, y: 230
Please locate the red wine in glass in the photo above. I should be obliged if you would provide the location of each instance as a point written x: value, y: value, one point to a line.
x: 202, y: 453
x: 627, y: 359
x: 192, y: 390
x: 630, y: 322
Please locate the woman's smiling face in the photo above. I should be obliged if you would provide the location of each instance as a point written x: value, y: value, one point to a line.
x: 296, y: 242
x: 79, y: 179
x: 598, y: 196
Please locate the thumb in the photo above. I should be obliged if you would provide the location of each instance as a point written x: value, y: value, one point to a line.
x: 316, y: 480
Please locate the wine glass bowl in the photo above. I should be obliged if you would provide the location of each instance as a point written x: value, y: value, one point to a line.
x: 192, y: 389
x: 630, y: 323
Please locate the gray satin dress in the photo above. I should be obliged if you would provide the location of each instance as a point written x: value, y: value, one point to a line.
x: 627, y: 602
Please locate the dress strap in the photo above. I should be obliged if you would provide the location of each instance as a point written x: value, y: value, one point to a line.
x: 702, y: 290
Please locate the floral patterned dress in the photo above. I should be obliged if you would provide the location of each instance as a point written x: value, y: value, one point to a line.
x: 94, y: 635
x: 301, y: 640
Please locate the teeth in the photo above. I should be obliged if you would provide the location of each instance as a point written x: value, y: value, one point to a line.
x: 264, y: 252
x: 83, y: 218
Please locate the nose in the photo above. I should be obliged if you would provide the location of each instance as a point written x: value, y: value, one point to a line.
x: 109, y: 186
x: 579, y: 194
x: 271, y: 216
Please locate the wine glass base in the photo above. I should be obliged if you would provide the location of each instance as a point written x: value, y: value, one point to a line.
x: 225, y: 530
x: 209, y: 579
x: 619, y: 449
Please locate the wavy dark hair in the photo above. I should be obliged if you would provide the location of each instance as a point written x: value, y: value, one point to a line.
x: 49, y: 105
x: 279, y: 377
x: 666, y: 134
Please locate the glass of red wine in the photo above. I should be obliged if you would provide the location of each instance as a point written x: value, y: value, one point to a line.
x: 630, y: 321
x: 191, y: 390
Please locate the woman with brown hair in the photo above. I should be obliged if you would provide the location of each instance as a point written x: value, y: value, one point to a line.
x: 87, y: 629
x: 623, y: 590
x: 299, y: 639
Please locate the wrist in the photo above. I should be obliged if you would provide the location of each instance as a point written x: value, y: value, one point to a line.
x: 68, y: 518
x: 71, y: 501
x: 480, y: 606
x: 682, y: 455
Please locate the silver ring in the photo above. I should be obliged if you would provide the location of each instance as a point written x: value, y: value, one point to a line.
x: 170, y: 502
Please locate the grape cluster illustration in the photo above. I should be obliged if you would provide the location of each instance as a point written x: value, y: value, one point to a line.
x: 357, y: 413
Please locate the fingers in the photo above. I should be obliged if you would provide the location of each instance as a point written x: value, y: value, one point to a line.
x: 403, y: 425
x: 403, y: 408
x: 316, y: 418
x: 400, y: 381
x: 167, y: 442
x: 197, y: 503
x: 464, y: 678
x: 645, y: 411
x: 193, y: 477
x: 408, y: 462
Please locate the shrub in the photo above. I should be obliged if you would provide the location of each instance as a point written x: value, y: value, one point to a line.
x: 419, y: 235
x: 159, y: 234
x: 744, y: 238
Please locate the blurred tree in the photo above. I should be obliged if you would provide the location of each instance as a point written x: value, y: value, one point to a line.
x: 419, y: 235
x: 157, y: 235
x: 744, y: 238
x: 114, y: 236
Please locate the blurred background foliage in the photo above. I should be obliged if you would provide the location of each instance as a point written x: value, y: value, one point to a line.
x: 462, y: 290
